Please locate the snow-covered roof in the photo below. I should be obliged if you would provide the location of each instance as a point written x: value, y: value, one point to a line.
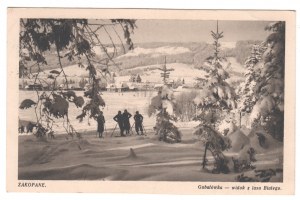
x: 158, y: 85
x: 111, y: 86
x: 132, y: 86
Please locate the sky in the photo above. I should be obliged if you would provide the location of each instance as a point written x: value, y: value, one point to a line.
x: 188, y: 31
x: 197, y: 31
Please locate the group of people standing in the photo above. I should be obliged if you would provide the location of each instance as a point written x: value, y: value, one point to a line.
x: 123, y: 120
x: 124, y: 123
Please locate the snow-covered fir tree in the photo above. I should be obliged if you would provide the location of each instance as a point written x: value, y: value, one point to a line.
x: 246, y: 90
x: 269, y: 91
x: 163, y: 105
x: 216, y: 97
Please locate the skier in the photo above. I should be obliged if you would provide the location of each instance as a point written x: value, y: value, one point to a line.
x: 126, y: 123
x: 101, y: 122
x: 120, y: 120
x: 138, y: 120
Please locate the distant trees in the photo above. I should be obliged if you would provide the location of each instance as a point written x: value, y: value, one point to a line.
x: 112, y: 79
x: 177, y: 83
x: 132, y: 78
x: 138, y: 79
x: 82, y: 82
x: 135, y: 78
x: 71, y: 81
x: 198, y: 52
x: 185, y: 108
x: 243, y: 49
x: 201, y: 53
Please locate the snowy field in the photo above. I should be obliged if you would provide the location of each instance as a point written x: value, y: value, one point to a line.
x: 111, y: 158
x: 132, y: 101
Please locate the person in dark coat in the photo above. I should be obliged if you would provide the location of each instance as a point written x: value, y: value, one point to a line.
x: 126, y: 116
x: 120, y: 120
x: 138, y: 120
x: 101, y: 122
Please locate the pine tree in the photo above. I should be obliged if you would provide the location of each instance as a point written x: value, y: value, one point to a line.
x: 112, y: 79
x: 165, y: 72
x: 132, y: 78
x: 216, y: 97
x: 217, y: 94
x: 81, y: 83
x: 177, y: 83
x: 269, y: 90
x: 138, y: 79
x: 246, y: 90
x: 163, y: 106
x: 247, y: 99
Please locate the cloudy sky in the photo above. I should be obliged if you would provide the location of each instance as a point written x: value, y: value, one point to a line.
x: 189, y: 31
x: 197, y: 31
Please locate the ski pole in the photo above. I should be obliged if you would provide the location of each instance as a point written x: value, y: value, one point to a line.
x: 105, y: 130
x: 113, y: 130
x: 144, y: 128
x: 131, y: 128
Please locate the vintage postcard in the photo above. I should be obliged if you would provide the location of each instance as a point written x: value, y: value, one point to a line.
x: 151, y: 101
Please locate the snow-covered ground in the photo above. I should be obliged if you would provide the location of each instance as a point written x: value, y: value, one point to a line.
x: 132, y: 101
x: 140, y: 158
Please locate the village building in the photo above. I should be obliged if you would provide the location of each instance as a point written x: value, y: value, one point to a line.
x: 111, y: 87
x: 132, y: 87
x: 122, y: 87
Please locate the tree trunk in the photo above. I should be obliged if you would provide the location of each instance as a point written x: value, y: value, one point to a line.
x: 23, y: 82
x: 240, y: 119
x: 212, y: 119
x: 204, y: 156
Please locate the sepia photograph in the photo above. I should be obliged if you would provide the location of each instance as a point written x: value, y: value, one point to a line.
x: 135, y: 99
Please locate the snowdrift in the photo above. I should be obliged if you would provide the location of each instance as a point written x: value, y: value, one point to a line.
x: 252, y: 148
x: 238, y: 141
x: 257, y: 139
x: 263, y: 142
x: 111, y: 159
